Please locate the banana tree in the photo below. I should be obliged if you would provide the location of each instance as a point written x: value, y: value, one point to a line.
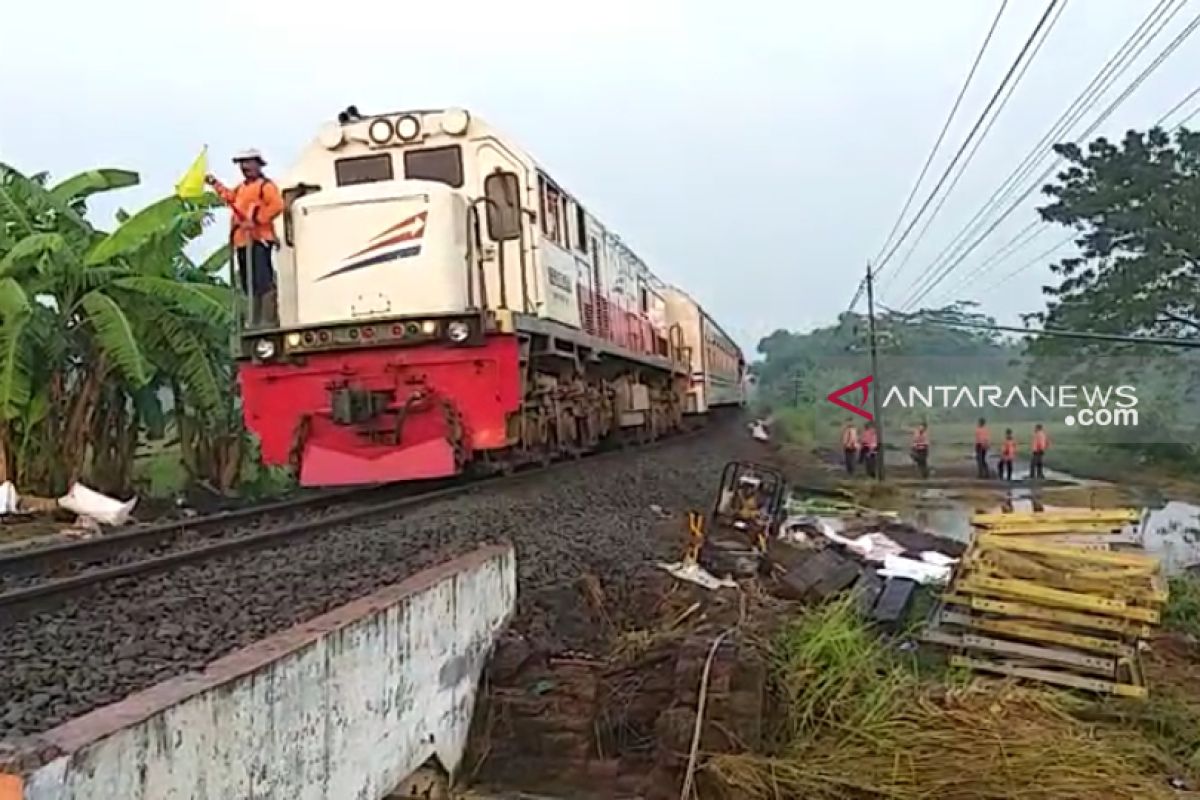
x: 89, y: 321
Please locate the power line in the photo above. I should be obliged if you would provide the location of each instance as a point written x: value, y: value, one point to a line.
x: 975, y: 129
x: 1024, y: 236
x: 1133, y: 47
x: 945, y: 127
x: 1170, y: 48
x: 895, y: 274
x: 1044, y: 226
x: 1158, y: 341
x: 1033, y: 262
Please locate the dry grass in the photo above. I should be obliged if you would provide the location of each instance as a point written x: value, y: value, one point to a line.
x: 860, y: 722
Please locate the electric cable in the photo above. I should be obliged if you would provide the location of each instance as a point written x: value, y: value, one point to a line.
x: 945, y: 128
x: 971, y: 135
x: 1112, y: 70
x: 891, y: 276
x: 1137, y: 82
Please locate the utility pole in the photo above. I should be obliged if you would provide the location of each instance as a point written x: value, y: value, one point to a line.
x: 796, y: 383
x: 878, y: 407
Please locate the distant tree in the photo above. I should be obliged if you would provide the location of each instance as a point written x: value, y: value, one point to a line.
x: 1136, y: 207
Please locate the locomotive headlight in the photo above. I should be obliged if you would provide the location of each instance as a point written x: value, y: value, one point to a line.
x: 458, y: 332
x: 331, y: 136
x: 407, y: 127
x: 264, y: 349
x: 429, y: 328
x: 380, y: 131
x: 293, y: 340
x: 455, y: 121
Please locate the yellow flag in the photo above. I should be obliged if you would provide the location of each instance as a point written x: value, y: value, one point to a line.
x: 191, y: 185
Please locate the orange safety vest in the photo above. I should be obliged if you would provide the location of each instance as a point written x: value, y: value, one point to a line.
x: 258, y: 201
x: 920, y: 439
x: 1009, y: 450
x: 849, y: 439
x: 1041, y: 442
x: 982, y: 437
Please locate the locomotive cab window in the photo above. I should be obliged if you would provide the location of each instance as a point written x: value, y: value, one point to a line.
x: 503, y: 212
x: 363, y: 169
x: 441, y: 164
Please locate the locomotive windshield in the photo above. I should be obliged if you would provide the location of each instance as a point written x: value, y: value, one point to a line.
x: 442, y: 164
x: 363, y: 169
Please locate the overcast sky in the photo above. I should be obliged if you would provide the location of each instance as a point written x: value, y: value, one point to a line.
x: 756, y: 153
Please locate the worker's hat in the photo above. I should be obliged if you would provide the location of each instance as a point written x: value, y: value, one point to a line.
x: 250, y: 155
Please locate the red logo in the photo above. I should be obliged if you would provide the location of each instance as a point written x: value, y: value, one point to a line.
x: 835, y: 397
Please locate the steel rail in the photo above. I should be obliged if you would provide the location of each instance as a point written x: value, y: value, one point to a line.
x: 18, y: 604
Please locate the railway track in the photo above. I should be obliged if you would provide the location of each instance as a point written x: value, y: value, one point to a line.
x: 42, y: 579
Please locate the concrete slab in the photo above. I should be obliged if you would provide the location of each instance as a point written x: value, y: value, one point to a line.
x: 345, y: 705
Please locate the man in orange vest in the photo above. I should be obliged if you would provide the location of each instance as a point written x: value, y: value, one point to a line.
x: 1008, y: 454
x: 850, y: 445
x: 255, y: 203
x: 983, y: 441
x: 869, y: 450
x: 920, y: 449
x: 1041, y: 443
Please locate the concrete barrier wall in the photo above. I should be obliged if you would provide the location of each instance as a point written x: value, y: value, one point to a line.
x: 343, y: 707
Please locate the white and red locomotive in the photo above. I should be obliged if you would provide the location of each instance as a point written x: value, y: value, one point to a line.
x: 445, y: 304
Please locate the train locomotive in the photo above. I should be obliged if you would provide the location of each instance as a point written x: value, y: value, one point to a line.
x: 446, y: 306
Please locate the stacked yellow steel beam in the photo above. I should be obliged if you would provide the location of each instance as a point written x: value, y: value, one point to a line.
x: 1052, y: 596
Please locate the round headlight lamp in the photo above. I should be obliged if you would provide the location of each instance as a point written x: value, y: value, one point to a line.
x: 264, y: 349
x: 455, y: 121
x: 380, y: 131
x: 458, y: 332
x: 408, y: 127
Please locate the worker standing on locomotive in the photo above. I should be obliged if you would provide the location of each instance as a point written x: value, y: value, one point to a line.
x: 255, y: 203
x: 850, y: 445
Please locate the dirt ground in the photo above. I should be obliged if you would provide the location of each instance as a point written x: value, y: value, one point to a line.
x: 617, y: 720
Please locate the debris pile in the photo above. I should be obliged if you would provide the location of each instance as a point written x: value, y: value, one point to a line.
x: 624, y: 722
x: 1045, y: 596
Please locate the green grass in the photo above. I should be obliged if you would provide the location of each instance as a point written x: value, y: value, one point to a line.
x: 860, y: 719
x: 1182, y: 613
x: 160, y: 470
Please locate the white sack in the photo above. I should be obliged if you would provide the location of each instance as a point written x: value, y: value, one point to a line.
x: 8, y: 498
x: 104, y: 509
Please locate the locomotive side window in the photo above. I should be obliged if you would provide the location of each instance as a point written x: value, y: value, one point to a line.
x: 503, y: 214
x: 442, y: 164
x: 551, y: 200
x: 581, y: 240
x: 363, y: 169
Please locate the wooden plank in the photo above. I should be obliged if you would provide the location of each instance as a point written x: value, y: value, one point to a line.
x: 1060, y: 515
x: 1056, y: 655
x: 1050, y: 676
x: 1024, y: 630
x: 1060, y: 616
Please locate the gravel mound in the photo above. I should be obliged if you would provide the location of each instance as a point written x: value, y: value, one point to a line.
x: 590, y: 518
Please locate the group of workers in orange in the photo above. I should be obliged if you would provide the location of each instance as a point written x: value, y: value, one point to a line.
x: 865, y: 450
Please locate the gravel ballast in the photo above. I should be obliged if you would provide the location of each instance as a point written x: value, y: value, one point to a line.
x: 593, y: 517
